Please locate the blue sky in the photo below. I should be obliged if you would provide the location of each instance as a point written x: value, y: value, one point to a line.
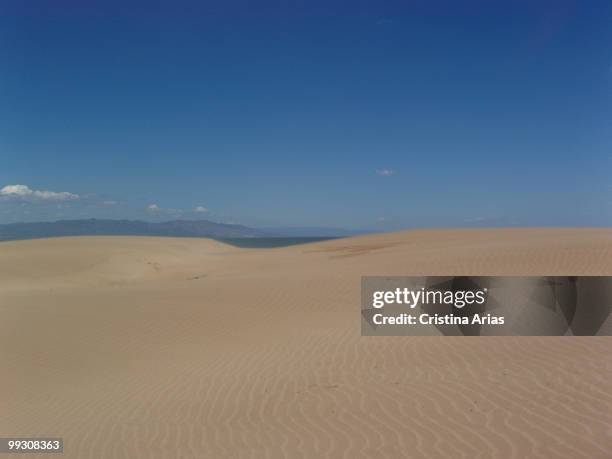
x: 375, y: 115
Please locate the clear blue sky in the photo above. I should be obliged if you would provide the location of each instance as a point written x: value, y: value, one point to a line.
x: 349, y: 114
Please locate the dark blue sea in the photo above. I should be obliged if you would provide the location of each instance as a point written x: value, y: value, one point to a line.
x: 268, y: 242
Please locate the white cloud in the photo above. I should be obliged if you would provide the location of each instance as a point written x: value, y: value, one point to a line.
x: 23, y: 191
x: 109, y: 203
x: 200, y: 209
x: 385, y: 172
x: 164, y: 210
x: 15, y: 190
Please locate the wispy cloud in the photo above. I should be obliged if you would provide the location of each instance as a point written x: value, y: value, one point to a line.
x: 477, y: 219
x: 154, y: 208
x: 384, y: 21
x: 385, y: 172
x: 25, y: 192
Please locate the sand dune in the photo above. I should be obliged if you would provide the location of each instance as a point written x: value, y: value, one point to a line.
x: 158, y: 347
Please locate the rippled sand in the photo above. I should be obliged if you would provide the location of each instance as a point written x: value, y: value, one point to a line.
x: 158, y: 347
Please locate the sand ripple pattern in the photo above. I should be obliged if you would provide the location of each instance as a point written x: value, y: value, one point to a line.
x: 218, y: 352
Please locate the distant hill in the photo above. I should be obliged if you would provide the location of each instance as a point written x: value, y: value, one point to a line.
x: 311, y: 231
x: 97, y: 227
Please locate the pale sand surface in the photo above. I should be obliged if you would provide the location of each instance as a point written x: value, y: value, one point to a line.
x: 134, y: 347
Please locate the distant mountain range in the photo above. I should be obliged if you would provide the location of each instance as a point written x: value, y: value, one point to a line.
x: 311, y: 231
x: 93, y: 227
x: 176, y: 228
